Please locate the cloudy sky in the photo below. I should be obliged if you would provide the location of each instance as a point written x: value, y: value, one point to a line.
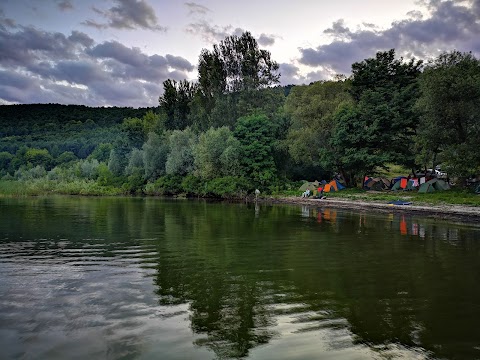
x: 118, y: 52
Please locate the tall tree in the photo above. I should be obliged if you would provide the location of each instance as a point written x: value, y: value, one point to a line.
x: 312, y: 110
x: 175, y: 102
x: 236, y: 63
x: 256, y: 137
x: 450, y: 112
x: 384, y: 120
x: 217, y: 154
x: 235, y: 69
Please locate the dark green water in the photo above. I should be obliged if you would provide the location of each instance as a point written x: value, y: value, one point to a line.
x: 114, y: 278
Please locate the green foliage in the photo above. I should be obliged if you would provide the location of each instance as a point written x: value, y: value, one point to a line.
x: 89, y: 168
x: 180, y: 160
x: 134, y: 184
x: 175, y: 102
x: 312, y: 109
x: 37, y: 157
x: 116, y: 162
x: 5, y: 160
x: 217, y: 154
x: 450, y: 109
x: 155, y: 152
x: 135, y: 163
x: 165, y: 185
x: 66, y: 157
x: 235, y: 64
x: 227, y: 187
x: 231, y: 70
x: 379, y: 127
x: 102, y: 152
x: 28, y: 174
x: 193, y: 185
x: 107, y: 178
x: 133, y: 128
x: 256, y: 137
x: 137, y: 129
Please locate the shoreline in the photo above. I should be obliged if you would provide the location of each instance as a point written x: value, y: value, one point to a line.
x: 445, y: 211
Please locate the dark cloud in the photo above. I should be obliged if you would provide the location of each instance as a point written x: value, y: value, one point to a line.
x: 64, y: 5
x: 115, y: 50
x: 29, y: 45
x: 451, y: 25
x: 129, y: 15
x: 179, y: 63
x: 81, y: 38
x: 6, y: 22
x: 40, y: 66
x: 194, y: 8
x: 95, y: 24
x: 266, y: 40
x: 339, y: 30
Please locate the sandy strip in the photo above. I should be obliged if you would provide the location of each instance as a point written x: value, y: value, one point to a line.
x: 461, y: 212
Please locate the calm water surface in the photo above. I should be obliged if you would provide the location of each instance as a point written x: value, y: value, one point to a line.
x: 115, y: 278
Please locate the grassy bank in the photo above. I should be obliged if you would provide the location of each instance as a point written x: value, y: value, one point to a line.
x: 449, y: 197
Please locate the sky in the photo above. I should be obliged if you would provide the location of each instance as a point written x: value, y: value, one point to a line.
x: 119, y: 52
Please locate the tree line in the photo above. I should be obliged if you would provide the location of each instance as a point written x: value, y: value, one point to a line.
x: 236, y: 129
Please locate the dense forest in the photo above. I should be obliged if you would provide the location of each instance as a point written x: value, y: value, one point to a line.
x: 235, y: 129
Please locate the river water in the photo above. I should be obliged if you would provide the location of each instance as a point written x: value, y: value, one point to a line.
x: 146, y: 278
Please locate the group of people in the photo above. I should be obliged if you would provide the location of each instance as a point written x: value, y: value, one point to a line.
x: 307, y: 193
x: 319, y: 194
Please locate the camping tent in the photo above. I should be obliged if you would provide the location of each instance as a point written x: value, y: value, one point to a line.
x: 403, y: 183
x: 309, y: 185
x: 376, y: 184
x: 333, y: 185
x: 433, y: 185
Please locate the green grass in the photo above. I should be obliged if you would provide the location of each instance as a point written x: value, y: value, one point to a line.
x: 452, y: 197
x: 393, y: 171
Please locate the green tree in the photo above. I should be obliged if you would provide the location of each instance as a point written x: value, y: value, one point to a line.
x: 180, y: 160
x: 380, y: 127
x: 37, y: 157
x: 175, y: 102
x: 217, y: 154
x: 5, y: 160
x: 65, y: 158
x: 312, y: 109
x: 243, y: 64
x: 116, y: 163
x: 101, y: 152
x: 256, y: 136
x: 392, y: 83
x: 155, y: 152
x: 358, y: 144
x: 135, y: 163
x: 450, y: 113
x: 235, y: 65
x: 137, y: 129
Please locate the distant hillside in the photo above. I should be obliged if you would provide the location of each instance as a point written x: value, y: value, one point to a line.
x: 59, y: 128
x: 31, y: 118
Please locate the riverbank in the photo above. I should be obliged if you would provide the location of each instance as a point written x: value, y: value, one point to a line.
x: 443, y: 211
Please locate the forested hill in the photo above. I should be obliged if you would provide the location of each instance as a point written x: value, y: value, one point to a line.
x: 75, y: 129
x: 31, y: 118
